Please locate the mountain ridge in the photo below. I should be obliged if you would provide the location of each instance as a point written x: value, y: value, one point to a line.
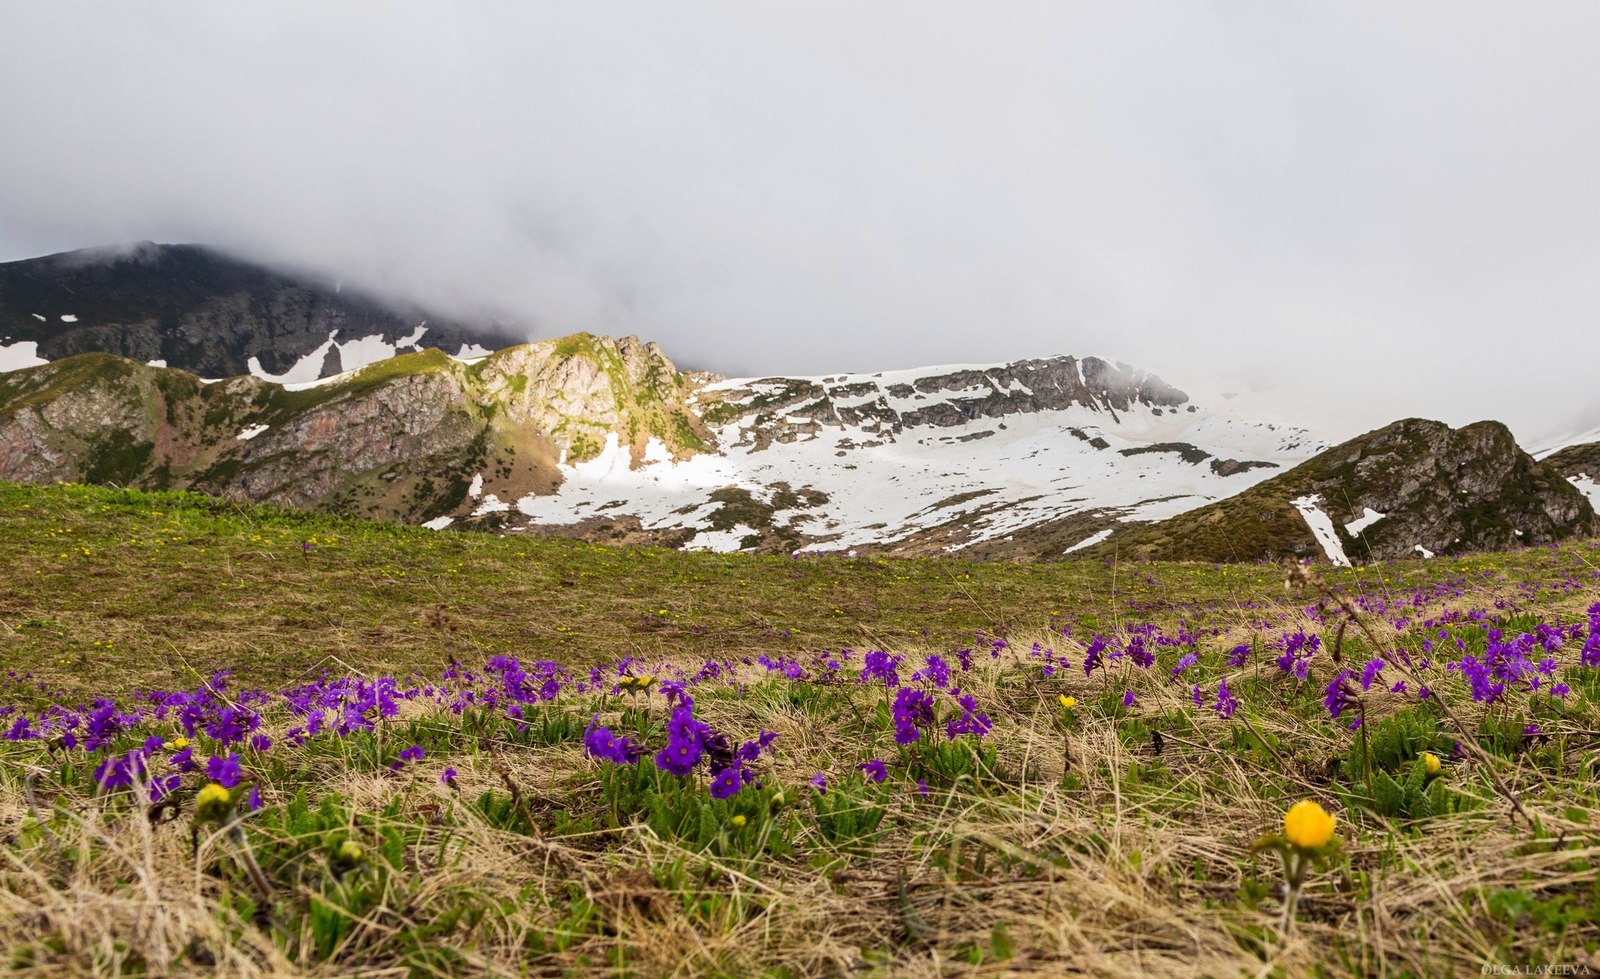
x: 198, y: 309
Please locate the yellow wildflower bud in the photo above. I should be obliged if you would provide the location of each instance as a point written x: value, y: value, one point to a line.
x: 349, y: 852
x: 1430, y: 761
x: 737, y: 821
x: 1068, y: 702
x: 1307, y: 825
x: 212, y: 803
x: 178, y: 744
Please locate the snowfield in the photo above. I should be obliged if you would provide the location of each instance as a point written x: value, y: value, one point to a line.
x: 988, y: 477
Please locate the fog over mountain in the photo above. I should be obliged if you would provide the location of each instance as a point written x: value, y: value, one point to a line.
x: 1349, y: 212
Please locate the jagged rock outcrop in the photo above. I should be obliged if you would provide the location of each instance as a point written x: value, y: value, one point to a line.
x: 204, y: 312
x: 1413, y: 488
x: 410, y: 438
x: 886, y: 404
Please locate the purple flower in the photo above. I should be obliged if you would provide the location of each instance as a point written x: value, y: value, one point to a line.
x: 686, y: 740
x: 937, y: 672
x: 879, y: 665
x: 600, y: 742
x: 912, y: 709
x: 875, y: 769
x: 1238, y: 655
x: 1339, y: 696
x: 1092, y: 657
x: 969, y: 722
x: 447, y: 777
x: 1128, y: 699
x: 819, y: 782
x: 119, y: 771
x: 1370, y: 673
x: 224, y: 770
x: 413, y: 753
x: 1226, y: 704
x: 727, y: 783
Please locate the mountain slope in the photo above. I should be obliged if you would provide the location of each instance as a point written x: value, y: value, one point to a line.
x: 196, y: 309
x: 924, y: 461
x: 1412, y: 487
x: 598, y: 438
x: 410, y: 438
x: 1580, y: 463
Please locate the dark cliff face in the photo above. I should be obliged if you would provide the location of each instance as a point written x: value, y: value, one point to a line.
x: 200, y: 311
x: 1440, y: 489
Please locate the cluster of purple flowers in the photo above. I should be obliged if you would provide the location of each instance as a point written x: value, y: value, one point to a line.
x: 913, y: 709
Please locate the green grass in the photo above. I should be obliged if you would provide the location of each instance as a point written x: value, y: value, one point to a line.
x: 1104, y: 838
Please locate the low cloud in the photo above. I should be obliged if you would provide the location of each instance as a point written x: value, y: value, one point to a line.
x: 1357, y: 212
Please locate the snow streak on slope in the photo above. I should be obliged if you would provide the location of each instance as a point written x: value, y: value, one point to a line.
x: 963, y: 454
x: 1588, y: 486
x: 1321, y: 525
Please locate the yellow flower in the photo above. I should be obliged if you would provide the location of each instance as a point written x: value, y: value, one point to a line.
x: 1068, y: 702
x: 1307, y: 825
x: 738, y: 821
x: 350, y: 851
x: 178, y: 744
x: 1430, y: 761
x: 212, y: 803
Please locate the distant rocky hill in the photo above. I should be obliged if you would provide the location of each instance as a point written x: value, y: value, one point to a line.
x: 1580, y: 463
x: 605, y: 439
x: 1412, y: 488
x: 196, y: 309
x: 329, y: 400
x: 411, y: 438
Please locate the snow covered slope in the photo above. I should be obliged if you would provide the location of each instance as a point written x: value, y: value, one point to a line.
x: 926, y: 460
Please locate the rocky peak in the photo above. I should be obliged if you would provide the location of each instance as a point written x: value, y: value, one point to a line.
x: 885, y: 404
x: 583, y: 388
x: 1413, y: 488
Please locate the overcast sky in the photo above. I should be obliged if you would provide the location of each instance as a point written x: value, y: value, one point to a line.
x: 1359, y: 211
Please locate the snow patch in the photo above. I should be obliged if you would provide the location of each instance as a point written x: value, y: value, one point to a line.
x: 1090, y: 541
x: 721, y: 541
x: 16, y: 356
x: 1422, y: 550
x: 305, y: 370
x: 1368, y: 517
x: 1588, y: 487
x: 68, y: 318
x: 476, y: 489
x: 439, y: 523
x: 1321, y: 528
x: 155, y: 363
x: 471, y: 351
x: 656, y: 451
x: 251, y: 432
x: 41, y: 317
x: 491, y: 504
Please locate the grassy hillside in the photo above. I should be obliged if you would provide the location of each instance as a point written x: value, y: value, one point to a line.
x: 1451, y: 490
x: 423, y: 763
